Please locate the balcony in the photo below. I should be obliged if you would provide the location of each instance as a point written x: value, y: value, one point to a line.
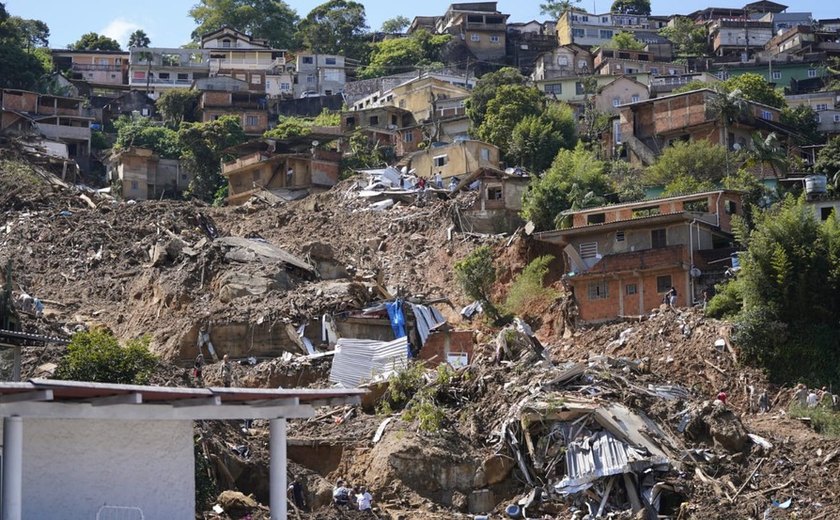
x: 89, y: 67
x: 242, y: 162
x: 159, y: 81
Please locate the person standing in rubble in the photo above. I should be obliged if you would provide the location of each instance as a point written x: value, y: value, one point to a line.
x: 341, y: 494
x: 295, y: 492
x: 364, y: 499
x: 800, y: 395
x: 198, y: 367
x: 438, y: 180
x: 227, y: 371
x: 671, y: 297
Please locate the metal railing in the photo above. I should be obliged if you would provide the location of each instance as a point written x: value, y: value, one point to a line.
x: 119, y: 513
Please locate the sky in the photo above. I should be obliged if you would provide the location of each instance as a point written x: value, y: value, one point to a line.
x: 168, y: 24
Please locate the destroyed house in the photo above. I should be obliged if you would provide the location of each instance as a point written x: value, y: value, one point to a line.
x: 387, y: 126
x: 459, y: 159
x: 497, y: 207
x: 622, y: 259
x: 59, y: 118
x: 647, y: 128
x: 141, y: 174
x: 286, y: 169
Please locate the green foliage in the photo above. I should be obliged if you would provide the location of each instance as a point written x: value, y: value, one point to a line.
x: 402, y: 386
x: 97, y: 356
x: 417, y: 50
x: 700, y: 160
x: 752, y: 192
x: 688, y: 37
x: 626, y: 41
x: 476, y: 274
x: 556, y: 8
x: 823, y: 420
x: 20, y: 65
x: 98, y: 141
x: 631, y: 7
x: 334, y: 27
x: 201, y: 152
x: 536, y: 139
x: 290, y: 127
x: 395, y: 25
x: 427, y: 412
x: 272, y: 20
x: 95, y: 42
x: 177, y: 105
x: 327, y: 118
x: 527, y: 291
x: 685, y: 184
x: 485, y: 90
x: 221, y: 195
x: 205, y: 483
x: 409, y: 390
x: 790, y: 283
x: 363, y: 154
x: 510, y: 105
x: 727, y: 301
x: 828, y: 162
x: 144, y: 133
x: 753, y: 87
x: 31, y: 34
x: 803, y: 120
x: 575, y: 180
x: 626, y: 181
x: 767, y: 151
x: 691, y: 86
x: 139, y: 38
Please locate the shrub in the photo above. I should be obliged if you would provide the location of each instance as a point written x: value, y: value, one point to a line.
x: 527, y: 291
x: 823, y: 420
x: 476, y: 275
x: 727, y: 302
x: 97, y: 356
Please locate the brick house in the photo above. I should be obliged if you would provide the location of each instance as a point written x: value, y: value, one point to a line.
x: 621, y: 259
x: 251, y: 108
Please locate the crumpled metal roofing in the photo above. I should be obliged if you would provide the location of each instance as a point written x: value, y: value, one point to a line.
x: 357, y: 361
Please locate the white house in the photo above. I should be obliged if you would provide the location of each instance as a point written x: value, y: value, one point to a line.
x: 73, y: 450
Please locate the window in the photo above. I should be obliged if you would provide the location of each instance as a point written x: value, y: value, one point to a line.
x: 307, y: 60
x: 408, y: 137
x: 663, y: 283
x: 646, y: 212
x: 163, y: 75
x: 776, y: 75
x: 837, y: 118
x: 654, y: 70
x: 226, y: 43
x: 134, y: 185
x: 242, y: 77
x: 825, y: 213
x: 252, y: 120
x: 350, y: 121
x: 697, y: 206
x: 182, y: 76
x: 616, y: 101
x: 766, y: 114
x: 605, y: 34
x: 731, y: 207
x: 310, y: 78
x: 285, y: 86
x: 475, y: 37
x: 494, y: 193
x: 598, y: 290
x: 582, y: 64
x: 605, y: 19
x: 596, y: 218
x: 820, y: 106
x: 812, y: 73
x: 588, y: 249
x: 630, y: 289
x: 439, y: 161
x: 374, y: 120
x: 554, y: 89
x: 584, y: 18
x: 619, y: 236
x: 578, y: 33
x: 329, y: 60
x: 256, y: 79
x: 562, y: 61
x: 484, y: 154
x: 634, y: 98
x: 494, y: 39
x: 579, y: 90
x: 658, y: 238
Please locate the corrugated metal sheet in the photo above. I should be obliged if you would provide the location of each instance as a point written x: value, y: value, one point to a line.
x: 427, y: 317
x: 597, y: 456
x: 357, y: 361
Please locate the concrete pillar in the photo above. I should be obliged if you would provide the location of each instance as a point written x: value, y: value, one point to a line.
x: 277, y: 470
x: 16, y: 364
x: 12, y: 468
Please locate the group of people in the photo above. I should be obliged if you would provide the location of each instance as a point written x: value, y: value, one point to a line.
x: 198, y: 370
x: 814, y: 397
x: 356, y: 497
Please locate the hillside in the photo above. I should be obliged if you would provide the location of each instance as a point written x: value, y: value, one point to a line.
x: 169, y: 268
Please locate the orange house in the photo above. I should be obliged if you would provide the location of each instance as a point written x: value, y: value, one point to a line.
x: 621, y: 259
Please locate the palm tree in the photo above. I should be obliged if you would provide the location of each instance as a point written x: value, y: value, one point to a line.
x: 728, y: 107
x: 767, y: 150
x: 139, y: 38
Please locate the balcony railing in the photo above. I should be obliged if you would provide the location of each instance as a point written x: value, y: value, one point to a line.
x: 159, y: 81
x: 83, y: 67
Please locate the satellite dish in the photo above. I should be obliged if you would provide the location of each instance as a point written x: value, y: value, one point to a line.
x: 315, y: 143
x: 736, y: 147
x: 695, y: 273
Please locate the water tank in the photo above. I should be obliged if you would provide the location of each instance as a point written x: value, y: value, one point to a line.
x: 815, y: 184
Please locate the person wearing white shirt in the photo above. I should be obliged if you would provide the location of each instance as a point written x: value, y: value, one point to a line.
x: 364, y: 499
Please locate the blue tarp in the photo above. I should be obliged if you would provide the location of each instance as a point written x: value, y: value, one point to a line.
x: 397, y: 317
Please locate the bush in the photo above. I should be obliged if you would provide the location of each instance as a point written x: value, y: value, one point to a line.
x: 476, y: 275
x: 97, y: 356
x: 527, y: 291
x: 727, y: 302
x: 823, y: 420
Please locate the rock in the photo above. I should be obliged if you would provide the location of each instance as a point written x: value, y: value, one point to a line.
x: 319, y: 250
x: 460, y: 502
x: 496, y: 468
x: 235, y: 503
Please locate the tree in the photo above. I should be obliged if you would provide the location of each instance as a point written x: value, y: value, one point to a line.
x: 575, y: 177
x: 177, y: 105
x: 699, y: 160
x: 753, y: 87
x: 21, y: 65
x: 139, y: 38
x: 31, y: 33
x: 395, y: 25
x: 97, y: 356
x: 476, y: 275
x: 290, y: 127
x: 688, y: 37
x: 626, y: 41
x: 144, y: 133
x: 95, y: 42
x: 693, y: 85
x: 364, y: 154
x: 828, y: 162
x: 805, y: 123
x: 485, y: 90
x: 511, y: 105
x: 537, y: 138
x: 202, y: 146
x: 684, y: 184
x: 767, y: 151
x: 272, y: 20
x: 334, y: 27
x: 641, y: 7
x: 417, y: 50
x: 727, y: 106
x: 556, y: 8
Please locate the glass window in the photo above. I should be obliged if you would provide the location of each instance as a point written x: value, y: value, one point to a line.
x: 484, y: 153
x: 598, y: 290
x: 408, y: 137
x: 308, y: 60
x: 329, y: 61
x: 605, y: 34
x: 494, y: 39
x: 663, y: 283
x: 616, y: 101
x: 562, y: 61
x: 658, y: 238
x: 374, y: 120
x: 634, y: 98
x: 475, y: 37
x: 776, y: 74
x: 630, y: 289
x: 252, y: 121
x: 557, y: 88
x: 440, y: 160
x: 812, y: 73
x: 578, y: 33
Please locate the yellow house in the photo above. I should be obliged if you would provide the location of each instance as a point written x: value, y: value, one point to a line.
x: 572, y: 90
x: 422, y: 97
x: 457, y: 159
x: 620, y: 91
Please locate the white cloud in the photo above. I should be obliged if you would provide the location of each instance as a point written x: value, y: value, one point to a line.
x: 119, y: 29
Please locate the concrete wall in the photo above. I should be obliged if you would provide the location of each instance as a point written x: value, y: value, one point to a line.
x: 459, y: 158
x: 619, y: 303
x: 71, y: 468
